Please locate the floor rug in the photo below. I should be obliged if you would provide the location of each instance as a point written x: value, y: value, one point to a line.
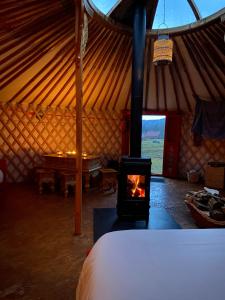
x: 106, y: 220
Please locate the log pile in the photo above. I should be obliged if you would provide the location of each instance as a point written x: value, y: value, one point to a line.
x: 210, y: 205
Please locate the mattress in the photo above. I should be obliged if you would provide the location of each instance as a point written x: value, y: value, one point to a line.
x: 155, y: 265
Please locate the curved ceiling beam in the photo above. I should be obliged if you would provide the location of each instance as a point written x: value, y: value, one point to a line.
x: 114, y: 7
x: 194, y: 9
x: 123, y: 11
x: 151, y: 9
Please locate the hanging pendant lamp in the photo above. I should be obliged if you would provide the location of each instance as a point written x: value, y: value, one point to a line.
x: 163, y: 47
x: 163, y: 50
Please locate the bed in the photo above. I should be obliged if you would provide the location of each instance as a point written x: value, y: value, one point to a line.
x: 186, y: 264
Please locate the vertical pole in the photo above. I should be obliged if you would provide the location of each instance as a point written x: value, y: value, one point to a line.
x: 78, y: 193
x: 139, y: 32
x: 79, y: 102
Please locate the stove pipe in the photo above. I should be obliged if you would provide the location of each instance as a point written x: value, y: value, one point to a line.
x: 139, y: 32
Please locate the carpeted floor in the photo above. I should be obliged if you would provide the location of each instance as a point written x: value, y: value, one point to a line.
x: 40, y: 258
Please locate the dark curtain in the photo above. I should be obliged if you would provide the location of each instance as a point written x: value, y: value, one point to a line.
x: 209, y: 119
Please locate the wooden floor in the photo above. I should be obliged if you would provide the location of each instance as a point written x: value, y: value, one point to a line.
x: 40, y: 258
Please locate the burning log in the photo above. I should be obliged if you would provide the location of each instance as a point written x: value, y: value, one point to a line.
x: 135, y: 186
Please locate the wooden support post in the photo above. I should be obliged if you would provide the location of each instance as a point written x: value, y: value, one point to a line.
x: 79, y: 16
x: 78, y: 193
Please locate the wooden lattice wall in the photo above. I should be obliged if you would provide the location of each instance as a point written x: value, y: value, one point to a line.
x: 27, y: 133
x: 193, y: 157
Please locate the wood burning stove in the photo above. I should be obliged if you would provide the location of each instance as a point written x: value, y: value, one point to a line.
x: 134, y: 188
x: 134, y: 174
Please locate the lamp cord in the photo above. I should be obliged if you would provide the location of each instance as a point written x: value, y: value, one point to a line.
x: 164, y: 15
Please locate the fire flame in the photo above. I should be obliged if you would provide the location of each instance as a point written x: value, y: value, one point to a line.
x: 136, y: 190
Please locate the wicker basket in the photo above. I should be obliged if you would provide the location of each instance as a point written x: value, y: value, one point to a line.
x: 202, y: 220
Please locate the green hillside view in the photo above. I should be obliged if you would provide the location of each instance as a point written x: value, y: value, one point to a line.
x: 153, y: 143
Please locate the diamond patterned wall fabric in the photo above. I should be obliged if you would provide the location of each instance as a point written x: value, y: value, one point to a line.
x: 192, y: 157
x: 26, y: 134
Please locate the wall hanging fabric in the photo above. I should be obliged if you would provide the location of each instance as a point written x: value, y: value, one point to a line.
x: 209, y: 119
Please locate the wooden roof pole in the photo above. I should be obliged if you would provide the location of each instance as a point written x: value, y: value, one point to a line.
x: 194, y: 9
x: 79, y: 18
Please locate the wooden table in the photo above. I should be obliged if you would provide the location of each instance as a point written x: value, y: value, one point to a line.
x: 64, y: 162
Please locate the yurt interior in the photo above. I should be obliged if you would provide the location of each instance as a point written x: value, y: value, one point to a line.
x: 112, y: 121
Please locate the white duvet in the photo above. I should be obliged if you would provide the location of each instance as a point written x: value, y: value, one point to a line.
x: 155, y: 265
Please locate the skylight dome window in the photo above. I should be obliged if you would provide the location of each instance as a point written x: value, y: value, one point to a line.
x: 179, y: 12
x: 105, y: 6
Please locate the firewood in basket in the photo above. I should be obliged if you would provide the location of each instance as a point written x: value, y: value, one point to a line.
x: 214, y: 204
x: 221, y: 199
x: 200, y: 205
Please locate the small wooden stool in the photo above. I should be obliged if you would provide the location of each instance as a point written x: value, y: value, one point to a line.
x: 67, y: 179
x: 108, y: 179
x: 45, y: 177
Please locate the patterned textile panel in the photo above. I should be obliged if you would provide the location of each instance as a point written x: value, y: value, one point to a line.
x: 26, y: 134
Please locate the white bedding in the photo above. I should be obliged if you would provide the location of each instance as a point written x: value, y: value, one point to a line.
x: 155, y: 265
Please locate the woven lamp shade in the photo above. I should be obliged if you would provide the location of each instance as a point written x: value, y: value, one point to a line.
x: 163, y: 51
